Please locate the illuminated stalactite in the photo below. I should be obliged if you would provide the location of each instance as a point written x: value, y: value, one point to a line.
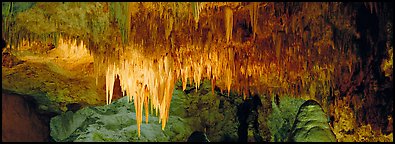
x: 149, y: 80
x: 196, y: 8
x: 254, y: 17
x: 228, y: 23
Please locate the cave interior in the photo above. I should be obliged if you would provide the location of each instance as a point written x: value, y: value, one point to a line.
x: 197, y: 71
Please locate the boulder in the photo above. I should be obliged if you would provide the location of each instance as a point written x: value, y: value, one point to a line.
x: 20, y: 120
x: 311, y: 125
x: 63, y: 126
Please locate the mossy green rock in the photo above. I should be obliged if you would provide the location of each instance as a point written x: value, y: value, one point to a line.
x: 117, y: 123
x: 63, y: 126
x: 311, y: 125
x: 189, y: 112
x: 282, y: 117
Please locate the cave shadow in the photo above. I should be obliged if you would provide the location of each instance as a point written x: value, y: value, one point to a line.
x: 247, y: 114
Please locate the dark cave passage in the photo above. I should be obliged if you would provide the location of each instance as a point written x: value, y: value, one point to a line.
x: 247, y: 114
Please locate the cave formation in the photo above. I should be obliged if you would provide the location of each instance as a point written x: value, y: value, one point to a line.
x: 336, y: 53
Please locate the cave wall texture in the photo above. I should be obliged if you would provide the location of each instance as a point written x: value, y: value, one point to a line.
x: 337, y: 53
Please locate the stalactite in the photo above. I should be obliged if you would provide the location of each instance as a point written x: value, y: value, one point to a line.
x: 146, y: 98
x: 228, y: 23
x: 254, y: 17
x: 196, y: 8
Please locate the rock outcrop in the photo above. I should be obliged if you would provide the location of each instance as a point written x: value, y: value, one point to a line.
x: 311, y: 125
x: 20, y: 120
x: 115, y: 122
